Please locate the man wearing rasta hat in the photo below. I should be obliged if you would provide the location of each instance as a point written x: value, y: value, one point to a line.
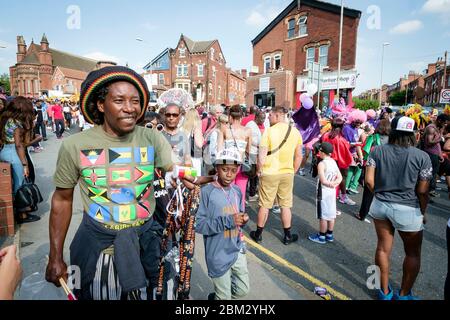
x: 114, y: 165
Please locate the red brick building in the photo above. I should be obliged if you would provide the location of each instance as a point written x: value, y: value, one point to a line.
x: 200, y: 68
x: 434, y: 82
x: 296, y: 37
x: 41, y: 70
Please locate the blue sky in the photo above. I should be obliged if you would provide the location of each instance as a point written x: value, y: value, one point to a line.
x: 418, y: 30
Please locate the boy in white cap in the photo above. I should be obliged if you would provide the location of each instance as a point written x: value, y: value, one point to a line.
x: 220, y: 218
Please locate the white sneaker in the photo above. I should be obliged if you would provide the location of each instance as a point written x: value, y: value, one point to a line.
x: 346, y: 200
x: 253, y: 199
x: 301, y: 172
x: 276, y: 209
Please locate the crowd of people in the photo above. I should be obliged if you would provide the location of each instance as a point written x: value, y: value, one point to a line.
x: 150, y: 178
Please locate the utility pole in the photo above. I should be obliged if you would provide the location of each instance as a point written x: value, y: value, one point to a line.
x: 407, y: 89
x: 444, y: 86
x: 381, y: 77
x: 340, y: 49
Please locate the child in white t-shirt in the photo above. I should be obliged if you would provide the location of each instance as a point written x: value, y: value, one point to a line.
x: 329, y: 177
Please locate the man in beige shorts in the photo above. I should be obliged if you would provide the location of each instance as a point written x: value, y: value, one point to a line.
x: 279, y: 158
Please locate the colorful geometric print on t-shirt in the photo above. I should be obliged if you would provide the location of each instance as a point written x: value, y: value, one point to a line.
x: 119, y: 184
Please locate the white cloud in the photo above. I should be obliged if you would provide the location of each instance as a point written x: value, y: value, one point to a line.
x: 439, y: 7
x: 262, y: 15
x: 256, y: 19
x: 149, y: 26
x: 102, y: 56
x: 407, y: 27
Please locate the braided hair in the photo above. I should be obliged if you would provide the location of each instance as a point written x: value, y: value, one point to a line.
x: 99, y: 96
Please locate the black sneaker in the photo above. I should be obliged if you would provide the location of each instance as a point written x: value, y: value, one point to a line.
x: 212, y: 296
x: 28, y: 219
x: 289, y: 240
x: 253, y: 236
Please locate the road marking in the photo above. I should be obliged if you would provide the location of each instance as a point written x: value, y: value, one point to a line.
x: 297, y: 270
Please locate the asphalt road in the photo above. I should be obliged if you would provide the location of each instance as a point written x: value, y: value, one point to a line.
x: 343, y: 264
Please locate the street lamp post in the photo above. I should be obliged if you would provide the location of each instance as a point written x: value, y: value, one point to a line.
x: 340, y: 48
x: 381, y: 77
x: 151, y: 71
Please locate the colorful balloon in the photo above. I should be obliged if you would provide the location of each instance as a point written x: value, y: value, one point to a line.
x: 303, y: 97
x: 308, y: 103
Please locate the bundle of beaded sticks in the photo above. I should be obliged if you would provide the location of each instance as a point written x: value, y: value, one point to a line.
x: 186, y: 243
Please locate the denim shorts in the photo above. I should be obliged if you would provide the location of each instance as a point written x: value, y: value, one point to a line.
x: 403, y: 218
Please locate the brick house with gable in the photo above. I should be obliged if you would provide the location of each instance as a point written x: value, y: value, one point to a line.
x: 300, y: 35
x: 200, y: 68
x: 41, y: 69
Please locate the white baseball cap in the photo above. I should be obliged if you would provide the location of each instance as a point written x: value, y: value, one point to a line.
x: 403, y: 124
x: 228, y: 156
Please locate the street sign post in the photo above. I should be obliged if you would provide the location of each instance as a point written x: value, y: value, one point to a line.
x: 445, y: 96
x: 315, y: 73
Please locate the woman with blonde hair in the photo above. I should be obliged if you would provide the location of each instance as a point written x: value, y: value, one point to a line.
x: 192, y: 126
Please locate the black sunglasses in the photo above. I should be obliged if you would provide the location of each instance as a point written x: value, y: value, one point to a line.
x: 174, y: 115
x: 158, y: 127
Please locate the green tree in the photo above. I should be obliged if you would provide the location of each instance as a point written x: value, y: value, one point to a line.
x: 398, y: 98
x: 4, y: 82
x: 364, y: 105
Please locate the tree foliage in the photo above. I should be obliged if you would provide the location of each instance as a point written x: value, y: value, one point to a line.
x: 364, y: 105
x: 4, y: 83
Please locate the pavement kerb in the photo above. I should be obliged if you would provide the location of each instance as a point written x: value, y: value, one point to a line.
x: 16, y: 242
x: 291, y: 283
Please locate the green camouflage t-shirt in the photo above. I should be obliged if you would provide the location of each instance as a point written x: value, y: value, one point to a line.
x: 115, y: 173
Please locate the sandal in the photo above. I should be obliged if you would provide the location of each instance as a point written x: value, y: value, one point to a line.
x: 28, y: 219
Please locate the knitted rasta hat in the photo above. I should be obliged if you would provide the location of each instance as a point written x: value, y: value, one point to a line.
x: 101, y: 77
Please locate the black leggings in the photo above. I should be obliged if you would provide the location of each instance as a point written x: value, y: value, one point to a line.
x: 366, y: 203
x: 447, y: 282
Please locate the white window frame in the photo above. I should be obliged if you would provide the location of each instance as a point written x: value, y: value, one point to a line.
x: 182, y: 52
x: 210, y: 89
x: 211, y: 53
x: 302, y: 25
x: 291, y: 29
x: 186, y: 87
x: 214, y: 71
x: 275, y: 58
x: 310, y: 59
x: 323, y: 56
x: 161, y: 78
x: 179, y: 70
x: 220, y: 58
x: 267, y: 59
x: 202, y: 68
x: 184, y: 70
